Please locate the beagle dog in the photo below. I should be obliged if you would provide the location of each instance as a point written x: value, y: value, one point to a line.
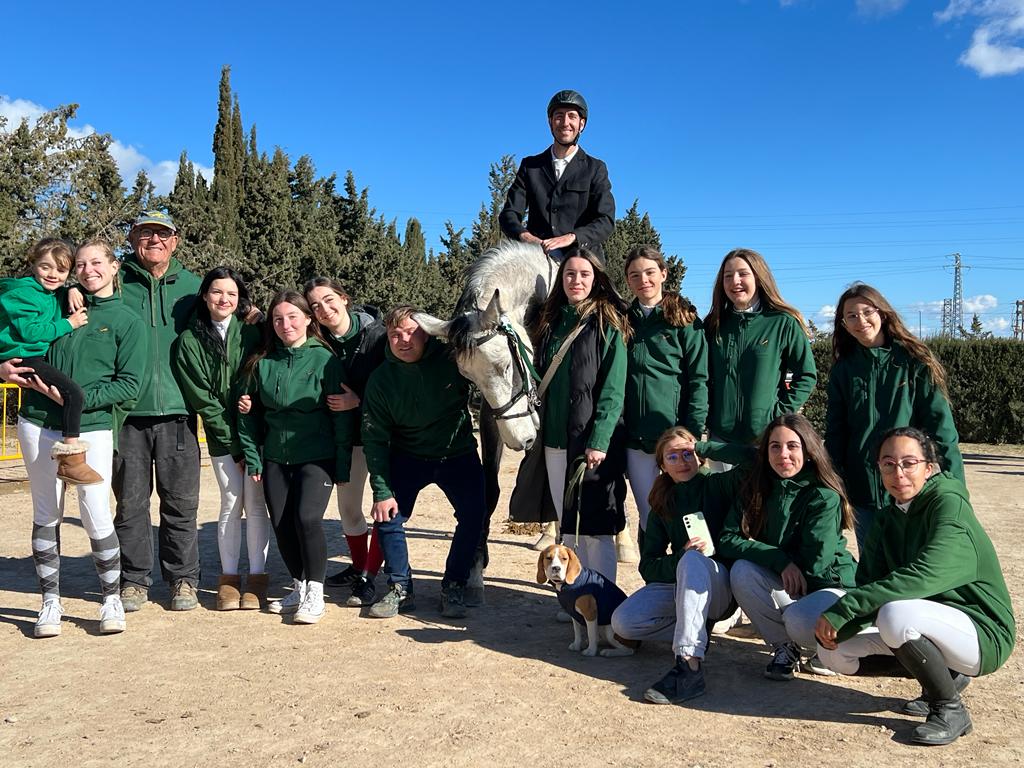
x: 587, y: 596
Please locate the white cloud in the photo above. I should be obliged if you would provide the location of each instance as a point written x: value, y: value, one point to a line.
x: 129, y: 160
x: 877, y: 8
x: 827, y: 312
x: 982, y: 303
x: 997, y: 45
x: 997, y: 324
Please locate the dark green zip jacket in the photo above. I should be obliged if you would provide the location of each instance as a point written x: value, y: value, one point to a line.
x: 107, y: 358
x: 803, y: 525
x: 707, y: 492
x: 420, y: 408
x: 748, y: 364
x: 289, y: 422
x: 936, y: 550
x: 871, y: 391
x: 165, y: 306
x: 209, y: 381
x: 610, y: 389
x: 30, y: 318
x: 361, y: 351
x: 666, y: 378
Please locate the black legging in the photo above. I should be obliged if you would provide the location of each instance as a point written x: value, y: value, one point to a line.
x: 74, y: 398
x: 297, y: 496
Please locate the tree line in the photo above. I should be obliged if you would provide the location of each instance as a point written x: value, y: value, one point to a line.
x: 275, y: 221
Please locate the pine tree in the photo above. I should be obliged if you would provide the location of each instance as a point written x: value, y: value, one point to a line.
x: 191, y: 207
x: 632, y: 230
x: 96, y: 204
x: 486, y: 232
x: 271, y: 262
x: 415, y: 245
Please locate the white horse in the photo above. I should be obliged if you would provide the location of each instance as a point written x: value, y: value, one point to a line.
x: 504, y: 287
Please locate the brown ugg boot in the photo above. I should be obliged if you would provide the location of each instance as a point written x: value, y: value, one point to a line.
x: 228, y: 592
x: 255, y: 594
x: 71, y: 466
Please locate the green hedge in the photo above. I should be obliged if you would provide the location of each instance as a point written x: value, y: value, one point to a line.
x: 986, y: 387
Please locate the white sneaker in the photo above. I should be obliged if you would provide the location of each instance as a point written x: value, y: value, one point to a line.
x: 312, y: 608
x: 290, y: 604
x: 112, y: 616
x: 48, y: 623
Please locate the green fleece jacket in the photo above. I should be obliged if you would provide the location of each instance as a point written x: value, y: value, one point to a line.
x: 608, y: 398
x: 802, y: 525
x: 289, y: 422
x: 30, y: 318
x: 870, y: 391
x: 420, y: 408
x: 936, y: 550
x: 107, y: 358
x: 209, y: 381
x: 748, y: 363
x: 666, y: 378
x: 707, y: 492
x: 165, y: 306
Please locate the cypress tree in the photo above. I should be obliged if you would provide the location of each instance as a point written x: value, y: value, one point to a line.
x: 227, y: 167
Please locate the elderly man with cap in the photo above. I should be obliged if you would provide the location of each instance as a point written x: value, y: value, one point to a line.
x: 159, y: 434
x: 563, y: 194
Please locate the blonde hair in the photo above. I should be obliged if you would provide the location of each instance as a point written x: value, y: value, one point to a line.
x: 660, y: 497
x: 61, y: 250
x: 766, y: 289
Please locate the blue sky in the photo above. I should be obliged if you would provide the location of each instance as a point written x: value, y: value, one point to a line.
x: 844, y: 139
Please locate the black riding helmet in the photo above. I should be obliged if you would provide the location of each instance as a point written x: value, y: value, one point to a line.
x: 568, y: 99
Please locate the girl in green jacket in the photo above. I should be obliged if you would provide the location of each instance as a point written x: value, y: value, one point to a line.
x: 882, y: 377
x: 667, y: 373
x: 108, y: 357
x: 293, y: 446
x: 207, y: 361
x: 687, y: 581
x: 929, y: 590
x: 785, y: 533
x: 754, y: 340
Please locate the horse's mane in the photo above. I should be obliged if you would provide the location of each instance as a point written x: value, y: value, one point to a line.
x: 511, y: 266
x: 461, y: 336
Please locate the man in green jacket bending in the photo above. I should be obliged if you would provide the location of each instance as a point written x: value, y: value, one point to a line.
x: 160, y: 433
x: 417, y: 431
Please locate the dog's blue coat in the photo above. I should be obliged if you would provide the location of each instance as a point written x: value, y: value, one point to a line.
x: 590, y: 582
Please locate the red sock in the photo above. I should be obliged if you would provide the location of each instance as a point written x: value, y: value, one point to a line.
x: 375, y: 556
x: 357, y: 549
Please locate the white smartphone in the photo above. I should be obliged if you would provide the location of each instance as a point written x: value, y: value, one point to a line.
x: 697, y: 526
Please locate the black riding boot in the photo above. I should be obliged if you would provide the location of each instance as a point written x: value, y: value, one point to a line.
x: 948, y: 718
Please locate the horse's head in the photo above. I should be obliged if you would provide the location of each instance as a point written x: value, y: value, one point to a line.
x: 494, y: 353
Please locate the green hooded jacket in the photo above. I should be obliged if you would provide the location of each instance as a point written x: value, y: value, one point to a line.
x: 289, y: 422
x: 802, y: 525
x: 666, y: 378
x: 938, y: 551
x: 420, y: 408
x: 209, y: 381
x: 106, y: 358
x: 748, y: 364
x: 30, y: 318
x: 165, y: 306
x: 870, y: 391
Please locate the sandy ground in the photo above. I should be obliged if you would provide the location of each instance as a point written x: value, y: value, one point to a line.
x: 246, y: 689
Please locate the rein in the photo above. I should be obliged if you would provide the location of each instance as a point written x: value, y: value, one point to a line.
x: 522, y: 367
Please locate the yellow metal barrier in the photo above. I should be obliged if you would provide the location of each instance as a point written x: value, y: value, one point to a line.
x: 10, y: 437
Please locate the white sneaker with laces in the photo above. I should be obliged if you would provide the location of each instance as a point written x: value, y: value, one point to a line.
x: 48, y: 623
x: 112, y: 616
x: 312, y: 608
x: 290, y: 604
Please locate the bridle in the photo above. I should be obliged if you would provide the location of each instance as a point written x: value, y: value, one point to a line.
x: 524, y: 375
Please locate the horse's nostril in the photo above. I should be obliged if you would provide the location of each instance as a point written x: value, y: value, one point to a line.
x: 528, y: 444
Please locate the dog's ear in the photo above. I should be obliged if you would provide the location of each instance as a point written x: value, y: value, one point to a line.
x: 542, y: 575
x: 573, y: 567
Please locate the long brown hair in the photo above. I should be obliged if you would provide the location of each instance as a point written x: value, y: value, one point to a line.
x: 603, y: 300
x: 767, y: 290
x: 270, y: 340
x: 660, y: 497
x: 763, y: 478
x: 843, y: 342
x: 678, y: 311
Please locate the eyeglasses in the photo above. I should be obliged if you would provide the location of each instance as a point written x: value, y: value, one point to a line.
x: 909, y: 466
x: 678, y: 458
x: 146, y: 233
x: 852, y: 317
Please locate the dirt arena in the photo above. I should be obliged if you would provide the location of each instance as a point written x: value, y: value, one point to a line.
x: 499, y: 688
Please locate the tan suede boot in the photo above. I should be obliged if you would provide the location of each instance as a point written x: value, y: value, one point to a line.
x: 548, y: 536
x: 228, y: 593
x: 255, y: 594
x: 71, y: 466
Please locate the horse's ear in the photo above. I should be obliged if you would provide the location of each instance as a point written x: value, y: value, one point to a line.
x: 432, y: 325
x: 493, y: 311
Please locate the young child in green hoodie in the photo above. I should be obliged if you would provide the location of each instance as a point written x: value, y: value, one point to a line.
x: 30, y: 320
